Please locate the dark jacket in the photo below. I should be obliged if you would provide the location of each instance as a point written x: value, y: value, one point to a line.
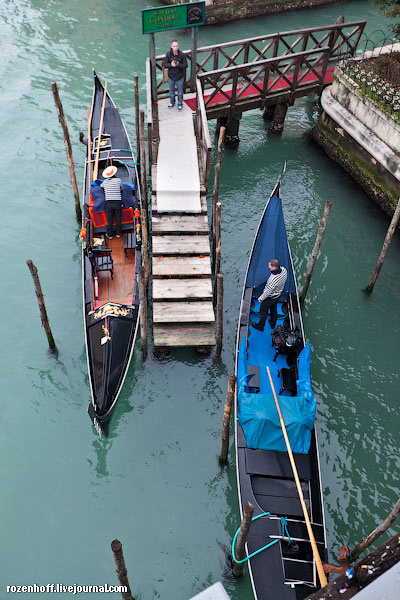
x: 175, y: 73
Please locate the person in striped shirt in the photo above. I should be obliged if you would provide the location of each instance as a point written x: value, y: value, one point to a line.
x: 112, y: 189
x: 271, y: 294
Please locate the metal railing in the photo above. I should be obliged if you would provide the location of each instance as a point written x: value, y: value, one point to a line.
x: 203, y: 134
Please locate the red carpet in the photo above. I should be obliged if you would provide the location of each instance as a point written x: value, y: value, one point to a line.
x: 281, y: 84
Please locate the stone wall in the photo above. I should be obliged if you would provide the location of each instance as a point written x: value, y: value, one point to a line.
x: 362, y: 138
x: 223, y: 11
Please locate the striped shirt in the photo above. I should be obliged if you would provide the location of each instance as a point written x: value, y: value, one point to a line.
x: 112, y: 188
x: 275, y: 284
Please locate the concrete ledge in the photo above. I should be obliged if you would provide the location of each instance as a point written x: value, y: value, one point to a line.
x: 380, y: 151
x: 349, y: 96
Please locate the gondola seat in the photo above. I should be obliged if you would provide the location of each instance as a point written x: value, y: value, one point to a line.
x: 288, y: 380
x: 102, y: 261
x: 253, y: 379
x: 129, y: 241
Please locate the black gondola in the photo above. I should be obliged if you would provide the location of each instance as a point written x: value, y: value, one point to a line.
x: 285, y: 570
x: 109, y: 267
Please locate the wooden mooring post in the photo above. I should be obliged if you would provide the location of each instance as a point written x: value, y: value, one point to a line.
x: 68, y: 149
x: 143, y: 162
x: 217, y: 171
x: 219, y: 282
x: 217, y: 264
x: 121, y: 571
x: 385, y: 248
x: 223, y: 457
x: 42, y: 306
x: 137, y: 116
x: 145, y: 252
x: 143, y: 311
x: 370, y: 539
x: 240, y: 552
x: 314, y: 254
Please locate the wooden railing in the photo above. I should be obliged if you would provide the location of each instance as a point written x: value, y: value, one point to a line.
x: 150, y: 132
x: 288, y: 73
x: 203, y: 134
x: 341, y: 38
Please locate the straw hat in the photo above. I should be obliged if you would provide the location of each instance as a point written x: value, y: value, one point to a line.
x: 109, y: 172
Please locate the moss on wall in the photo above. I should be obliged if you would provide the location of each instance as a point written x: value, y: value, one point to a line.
x: 223, y: 12
x: 242, y: 9
x: 382, y: 187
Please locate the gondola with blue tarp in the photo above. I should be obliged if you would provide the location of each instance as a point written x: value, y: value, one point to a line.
x: 286, y: 569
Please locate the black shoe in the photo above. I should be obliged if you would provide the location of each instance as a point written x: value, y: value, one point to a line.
x: 272, y: 326
x: 258, y: 326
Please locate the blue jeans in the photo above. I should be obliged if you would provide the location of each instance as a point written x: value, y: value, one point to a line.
x: 179, y: 85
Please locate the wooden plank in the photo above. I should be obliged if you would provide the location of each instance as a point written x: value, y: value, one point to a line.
x: 181, y: 244
x: 183, y: 312
x: 181, y: 266
x: 184, y: 335
x: 180, y: 224
x: 174, y: 289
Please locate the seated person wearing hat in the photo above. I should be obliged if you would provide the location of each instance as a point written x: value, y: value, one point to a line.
x: 112, y: 189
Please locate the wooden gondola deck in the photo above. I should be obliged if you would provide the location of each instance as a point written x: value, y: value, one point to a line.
x: 183, y: 313
x: 119, y: 289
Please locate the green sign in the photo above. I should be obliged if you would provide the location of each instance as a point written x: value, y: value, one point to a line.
x: 173, y: 16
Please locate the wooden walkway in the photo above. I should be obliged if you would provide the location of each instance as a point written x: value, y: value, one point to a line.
x: 183, y: 313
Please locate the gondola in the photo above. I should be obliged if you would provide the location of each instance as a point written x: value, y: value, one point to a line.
x: 286, y: 569
x: 109, y: 267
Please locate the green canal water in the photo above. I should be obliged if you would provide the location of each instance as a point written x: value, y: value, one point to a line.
x: 156, y: 483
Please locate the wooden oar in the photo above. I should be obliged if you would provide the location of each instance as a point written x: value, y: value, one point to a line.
x: 318, y: 562
x: 96, y: 162
x: 89, y: 147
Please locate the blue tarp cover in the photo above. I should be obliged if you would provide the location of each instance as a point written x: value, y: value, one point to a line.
x: 271, y: 243
x: 259, y: 418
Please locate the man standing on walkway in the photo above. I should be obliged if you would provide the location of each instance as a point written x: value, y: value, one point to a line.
x: 176, y: 63
x: 270, y: 296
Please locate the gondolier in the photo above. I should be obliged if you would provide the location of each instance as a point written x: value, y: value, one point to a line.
x: 270, y: 296
x: 112, y: 188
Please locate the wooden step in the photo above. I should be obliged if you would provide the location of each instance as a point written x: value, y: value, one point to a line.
x: 175, y: 289
x: 203, y: 203
x: 184, y: 335
x: 183, y: 312
x: 179, y: 224
x: 179, y: 266
x: 181, y: 244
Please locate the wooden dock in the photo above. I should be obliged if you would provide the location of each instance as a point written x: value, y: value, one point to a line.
x: 183, y: 313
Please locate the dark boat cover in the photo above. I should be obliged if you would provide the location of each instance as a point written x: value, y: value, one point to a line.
x: 272, y: 243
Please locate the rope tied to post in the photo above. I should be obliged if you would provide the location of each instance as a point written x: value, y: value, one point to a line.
x: 285, y: 533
